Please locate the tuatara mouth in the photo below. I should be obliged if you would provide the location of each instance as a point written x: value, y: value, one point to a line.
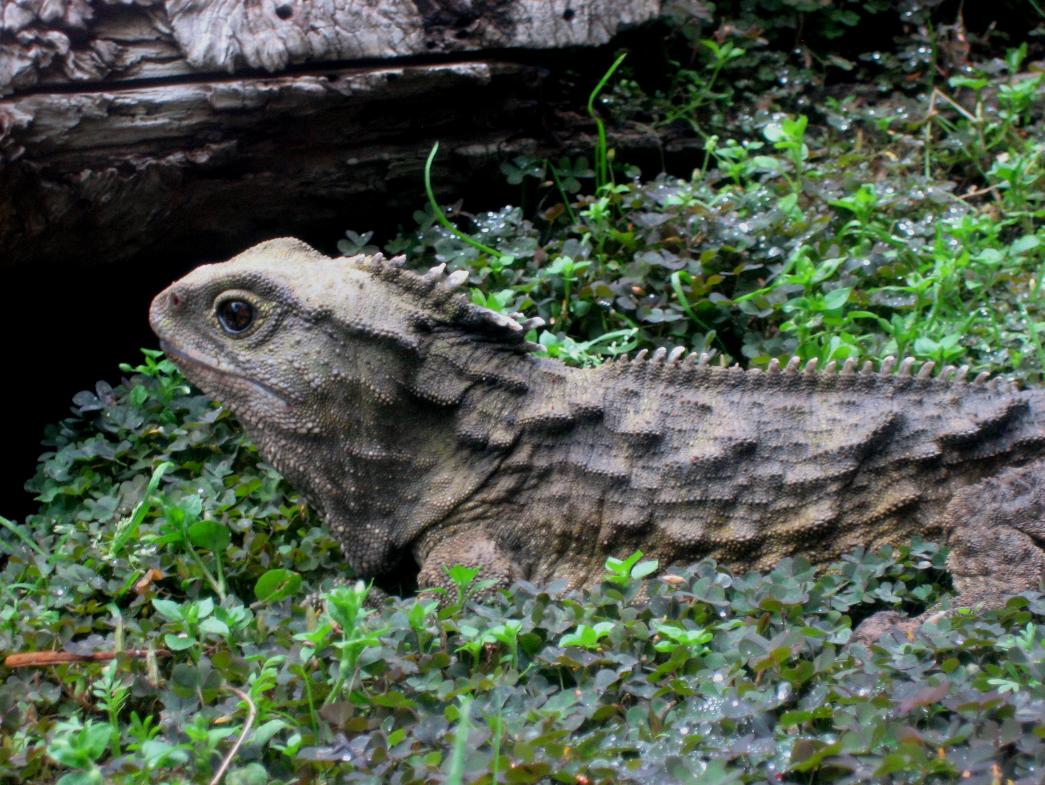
x: 207, y: 365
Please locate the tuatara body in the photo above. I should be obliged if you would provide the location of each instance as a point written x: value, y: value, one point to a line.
x: 420, y: 424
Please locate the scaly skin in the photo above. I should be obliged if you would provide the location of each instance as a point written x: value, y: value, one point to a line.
x: 418, y: 423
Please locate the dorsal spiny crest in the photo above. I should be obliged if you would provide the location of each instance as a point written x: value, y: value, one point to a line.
x: 908, y: 368
x: 437, y: 295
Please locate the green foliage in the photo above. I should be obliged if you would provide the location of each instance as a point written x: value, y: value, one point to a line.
x: 346, y: 629
x: 693, y: 674
x: 677, y: 639
x: 276, y: 585
x: 708, y: 672
x: 795, y: 242
x: 692, y: 90
x: 79, y: 746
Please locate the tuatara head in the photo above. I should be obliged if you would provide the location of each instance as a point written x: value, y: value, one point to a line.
x: 281, y: 331
x: 383, y: 395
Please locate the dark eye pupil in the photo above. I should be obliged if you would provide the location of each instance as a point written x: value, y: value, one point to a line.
x: 235, y: 315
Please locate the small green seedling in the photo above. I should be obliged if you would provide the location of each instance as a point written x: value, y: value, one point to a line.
x: 623, y: 571
x: 587, y: 636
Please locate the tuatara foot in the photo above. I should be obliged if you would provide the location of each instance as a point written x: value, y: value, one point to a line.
x: 467, y: 548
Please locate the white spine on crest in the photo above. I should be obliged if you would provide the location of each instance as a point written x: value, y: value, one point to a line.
x: 456, y: 279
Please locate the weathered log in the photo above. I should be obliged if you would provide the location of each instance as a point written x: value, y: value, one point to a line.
x: 58, y: 41
x: 128, y: 123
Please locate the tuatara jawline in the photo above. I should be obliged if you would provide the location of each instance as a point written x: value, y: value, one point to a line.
x: 204, y: 367
x: 419, y: 423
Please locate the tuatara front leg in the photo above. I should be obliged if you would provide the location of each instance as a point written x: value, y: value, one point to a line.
x: 996, y: 533
x: 471, y: 548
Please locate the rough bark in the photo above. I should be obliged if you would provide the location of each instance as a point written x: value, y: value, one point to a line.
x: 128, y: 123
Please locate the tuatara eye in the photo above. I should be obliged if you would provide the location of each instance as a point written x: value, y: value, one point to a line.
x: 235, y: 315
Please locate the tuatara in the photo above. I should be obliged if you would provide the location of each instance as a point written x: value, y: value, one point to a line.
x: 420, y: 424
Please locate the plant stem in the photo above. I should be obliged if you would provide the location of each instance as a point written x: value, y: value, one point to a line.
x: 562, y: 192
x: 602, y: 168
x: 1032, y: 330
x: 495, y: 763
x: 219, y: 589
x: 128, y: 529
x: 16, y: 530
x: 441, y: 217
x: 464, y: 725
x: 252, y: 712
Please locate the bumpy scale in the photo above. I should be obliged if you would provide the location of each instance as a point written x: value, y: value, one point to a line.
x: 418, y: 423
